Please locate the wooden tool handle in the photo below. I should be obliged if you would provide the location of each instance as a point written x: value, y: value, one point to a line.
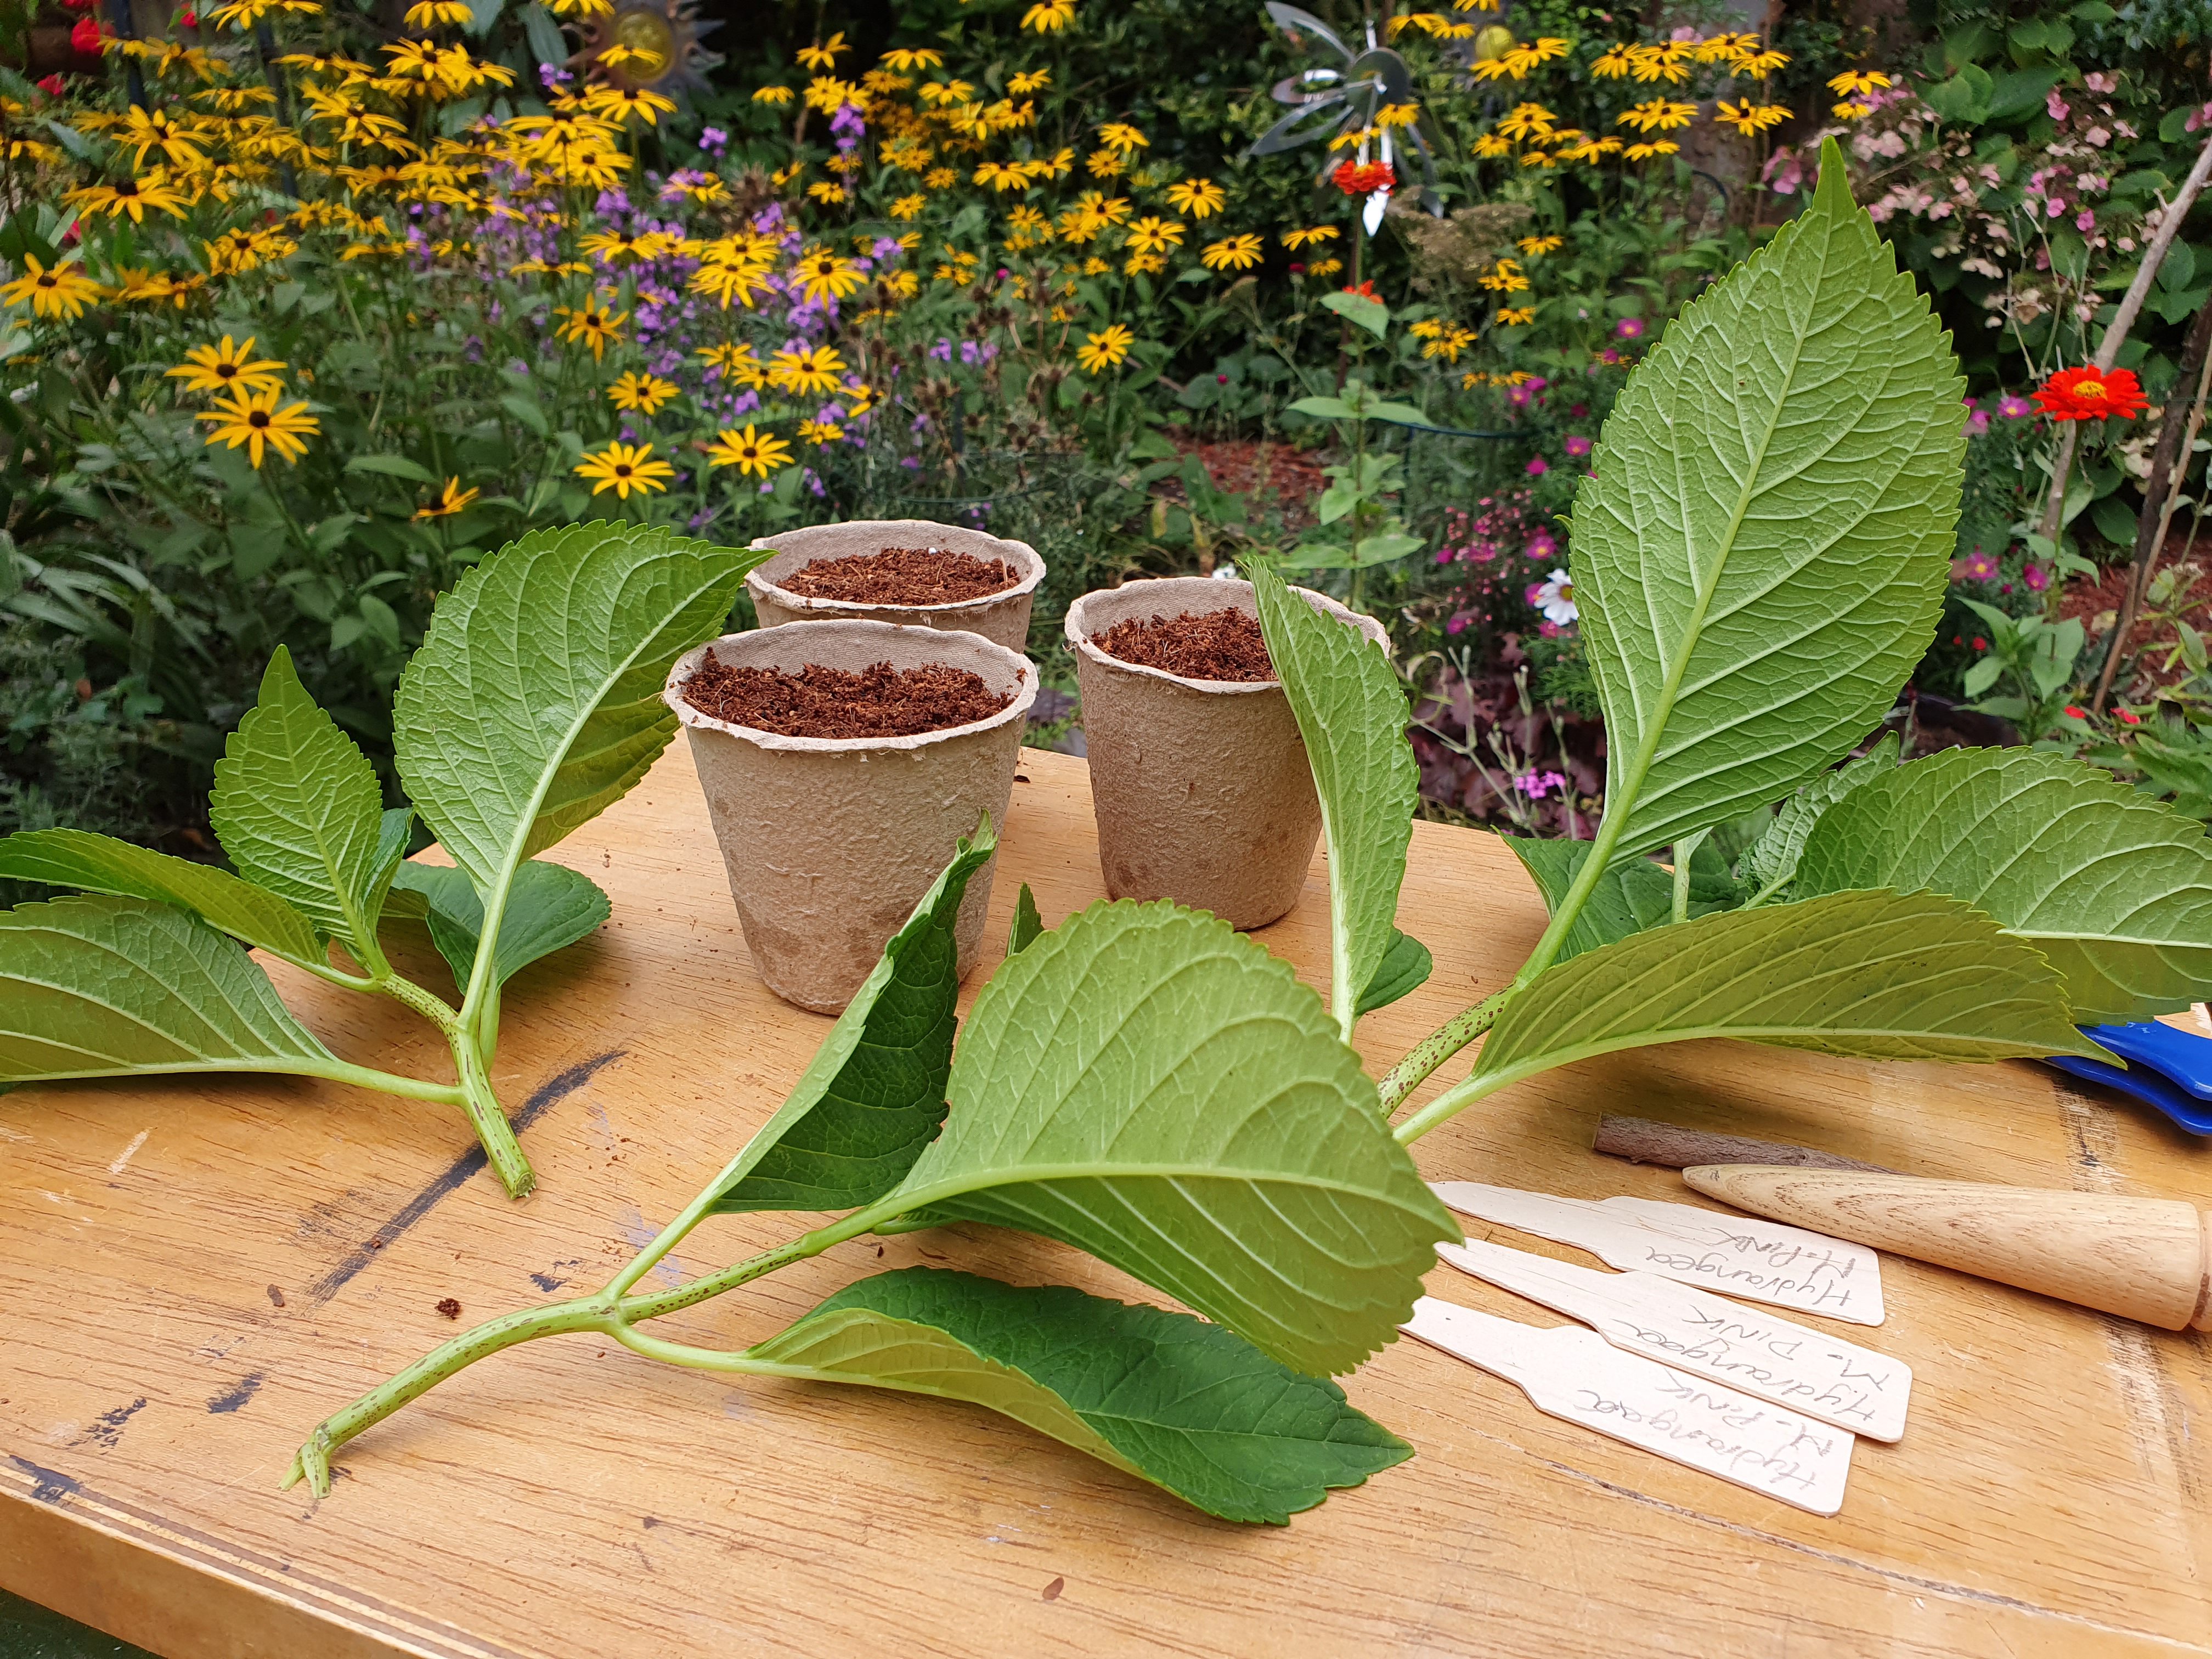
x: 2145, y: 1258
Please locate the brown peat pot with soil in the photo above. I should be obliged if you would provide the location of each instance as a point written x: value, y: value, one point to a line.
x: 900, y: 570
x: 840, y: 761
x: 1198, y: 775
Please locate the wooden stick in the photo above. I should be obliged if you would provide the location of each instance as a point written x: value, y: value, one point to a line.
x: 2142, y: 1258
x: 2162, y: 489
x: 2116, y: 335
x: 1640, y: 1140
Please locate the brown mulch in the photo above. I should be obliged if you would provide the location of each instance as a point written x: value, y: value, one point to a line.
x: 881, y: 702
x: 2097, y: 602
x: 1271, y: 471
x: 1219, y: 645
x: 902, y: 575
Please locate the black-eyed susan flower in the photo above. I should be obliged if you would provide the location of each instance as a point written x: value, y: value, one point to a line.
x: 436, y: 14
x: 590, y: 325
x: 805, y: 368
x: 1232, y: 254
x: 1295, y: 240
x: 738, y: 362
x: 1197, y: 197
x: 773, y: 94
x: 643, y: 392
x: 821, y: 274
x: 1155, y: 235
x: 820, y: 432
x: 1750, y: 120
x: 449, y: 500
x: 823, y: 56
x: 754, y: 454
x: 1656, y: 115
x: 223, y: 368
x: 62, y: 291
x: 1537, y: 246
x: 1048, y: 17
x: 907, y: 58
x: 252, y: 421
x: 622, y: 468
x: 1121, y: 138
x: 1105, y: 350
x: 150, y: 192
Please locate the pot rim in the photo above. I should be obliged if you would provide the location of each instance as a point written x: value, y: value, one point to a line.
x: 933, y: 642
x: 1019, y: 553
x: 1080, y: 642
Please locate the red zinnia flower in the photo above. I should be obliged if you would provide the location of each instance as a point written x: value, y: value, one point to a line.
x: 2083, y: 394
x: 1364, y: 177
x: 1365, y: 290
x: 52, y: 87
x: 85, y: 37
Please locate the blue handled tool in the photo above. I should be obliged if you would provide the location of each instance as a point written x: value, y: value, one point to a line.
x: 2167, y: 1067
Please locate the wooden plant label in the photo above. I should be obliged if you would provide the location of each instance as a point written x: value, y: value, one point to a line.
x: 1738, y: 1255
x: 1574, y: 1374
x: 1759, y: 1354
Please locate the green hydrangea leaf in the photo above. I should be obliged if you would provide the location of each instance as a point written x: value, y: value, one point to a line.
x: 1405, y: 968
x: 1027, y: 923
x: 1887, y: 976
x: 102, y: 864
x: 2115, y: 889
x: 1350, y: 711
x: 1772, y: 861
x: 534, y: 703
x: 297, y: 807
x: 109, y: 986
x: 549, y: 908
x: 1630, y: 896
x: 1145, y: 1083
x: 1170, y: 1399
x: 1761, y: 556
x: 874, y: 1093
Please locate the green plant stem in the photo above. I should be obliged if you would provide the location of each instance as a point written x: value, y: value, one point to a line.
x: 1439, y: 1046
x: 1684, y: 850
x: 608, y: 1312
x: 489, y: 1117
x: 1450, y: 1103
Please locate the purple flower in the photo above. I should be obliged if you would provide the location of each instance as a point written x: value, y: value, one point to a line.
x: 1577, y: 446
x: 1541, y: 547
x: 1977, y: 422
x: 1538, y: 466
x: 713, y: 138
x: 1537, y: 785
x: 1628, y: 328
x: 942, y: 351
x: 2036, y: 577
x: 1977, y: 567
x: 2015, y: 408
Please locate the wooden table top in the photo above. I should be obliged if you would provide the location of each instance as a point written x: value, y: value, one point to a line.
x: 193, y: 1273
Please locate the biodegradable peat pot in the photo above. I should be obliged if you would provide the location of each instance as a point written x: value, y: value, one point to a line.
x: 830, y: 843
x: 1200, y: 787
x: 1002, y: 617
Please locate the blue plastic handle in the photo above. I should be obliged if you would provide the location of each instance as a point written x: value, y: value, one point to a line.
x: 2152, y: 1088
x: 2180, y: 1056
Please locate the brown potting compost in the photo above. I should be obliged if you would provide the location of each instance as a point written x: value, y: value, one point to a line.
x: 902, y: 575
x: 880, y: 701
x: 1220, y: 645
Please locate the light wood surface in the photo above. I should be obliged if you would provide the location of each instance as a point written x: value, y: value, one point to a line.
x: 2051, y: 1495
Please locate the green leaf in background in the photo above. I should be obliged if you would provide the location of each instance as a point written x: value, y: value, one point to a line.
x: 1405, y: 968
x: 1761, y: 556
x: 1887, y: 976
x: 103, y: 986
x: 1027, y: 924
x: 1170, y: 1399
x: 2114, y: 889
x: 534, y: 703
x: 549, y: 907
x: 1357, y: 309
x: 1630, y: 896
x: 874, y: 1095
x: 1350, y: 710
x: 1771, y: 861
x: 393, y: 466
x: 297, y: 807
x: 1146, y: 1084
x: 102, y: 864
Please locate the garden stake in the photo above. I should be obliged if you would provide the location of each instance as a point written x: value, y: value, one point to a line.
x: 2116, y: 333
x: 2162, y: 489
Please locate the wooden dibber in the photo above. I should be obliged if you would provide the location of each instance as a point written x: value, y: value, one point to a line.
x: 2143, y: 1258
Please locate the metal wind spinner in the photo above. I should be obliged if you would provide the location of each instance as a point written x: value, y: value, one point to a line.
x: 1368, y: 81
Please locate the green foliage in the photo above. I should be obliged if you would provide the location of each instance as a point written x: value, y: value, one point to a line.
x: 298, y: 809
x: 1759, y: 557
x: 534, y: 703
x: 1144, y: 1080
x: 1183, y: 1404
x: 1351, y: 712
x: 1883, y: 975
x: 1631, y: 894
x: 549, y: 660
x: 874, y: 1095
x: 117, y: 987
x: 2114, y: 889
x: 1771, y: 861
